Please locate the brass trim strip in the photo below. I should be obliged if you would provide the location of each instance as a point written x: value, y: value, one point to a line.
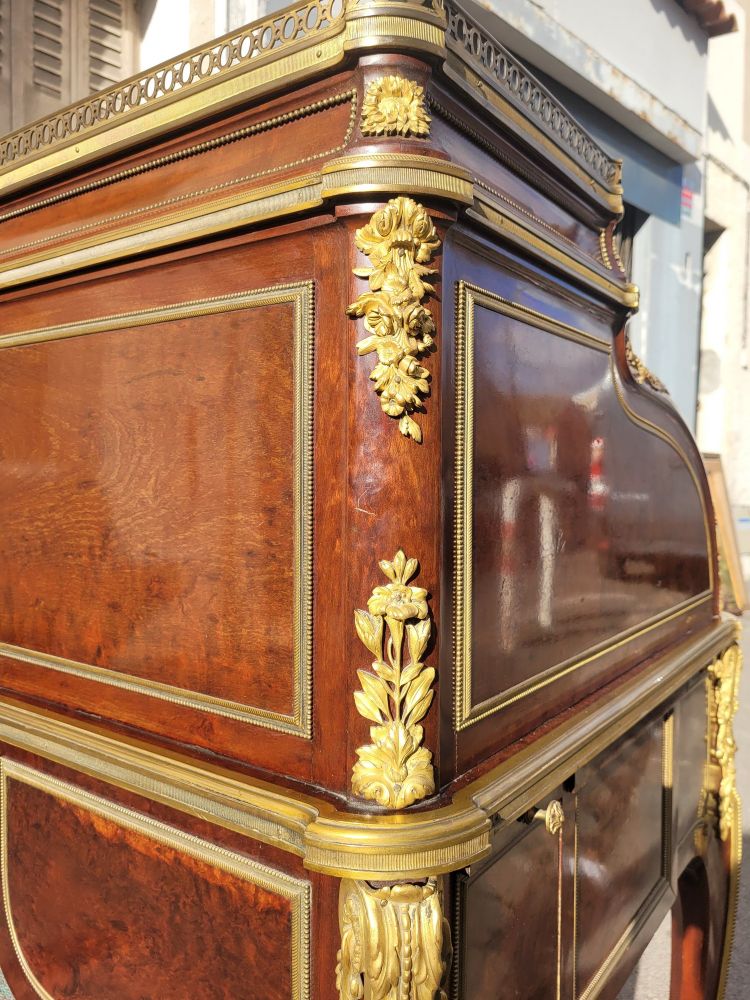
x: 344, y: 176
x: 297, y: 891
x: 466, y: 714
x: 199, y: 221
x: 459, y: 888
x: 356, y: 845
x: 208, y: 145
x: 560, y: 871
x: 489, y: 213
x: 576, y: 903
x: 667, y: 781
x: 397, y: 173
x: 301, y: 297
x: 354, y: 175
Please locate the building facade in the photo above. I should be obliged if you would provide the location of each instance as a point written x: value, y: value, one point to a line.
x: 724, y: 389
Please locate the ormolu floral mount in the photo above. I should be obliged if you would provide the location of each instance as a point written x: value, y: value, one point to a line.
x: 395, y: 770
x: 394, y: 106
x: 400, y: 241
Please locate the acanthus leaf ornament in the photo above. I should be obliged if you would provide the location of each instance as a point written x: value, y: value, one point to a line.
x: 393, y: 105
x: 395, y: 770
x: 395, y: 942
x: 400, y: 241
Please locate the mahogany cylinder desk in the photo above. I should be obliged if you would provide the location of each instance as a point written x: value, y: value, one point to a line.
x: 359, y: 632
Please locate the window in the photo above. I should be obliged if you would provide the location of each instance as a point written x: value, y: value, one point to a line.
x: 54, y: 52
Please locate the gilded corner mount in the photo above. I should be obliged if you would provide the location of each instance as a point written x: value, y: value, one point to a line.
x: 722, y: 799
x: 639, y: 370
x: 395, y: 770
x: 395, y: 942
x: 400, y: 241
x: 393, y: 105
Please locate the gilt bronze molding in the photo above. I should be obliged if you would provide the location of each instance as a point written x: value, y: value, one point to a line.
x: 406, y: 845
x: 722, y: 686
x: 640, y: 372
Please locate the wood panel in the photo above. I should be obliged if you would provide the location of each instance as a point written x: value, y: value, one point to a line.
x: 138, y: 535
x: 509, y: 936
x: 582, y: 526
x: 691, y: 749
x: 103, y: 901
x: 619, y: 856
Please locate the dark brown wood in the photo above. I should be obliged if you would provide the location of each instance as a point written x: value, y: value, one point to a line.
x: 619, y: 863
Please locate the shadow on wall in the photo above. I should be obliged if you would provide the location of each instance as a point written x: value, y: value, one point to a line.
x: 680, y: 19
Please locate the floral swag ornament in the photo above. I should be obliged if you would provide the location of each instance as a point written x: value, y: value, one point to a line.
x: 395, y: 770
x: 400, y: 241
x: 394, y: 106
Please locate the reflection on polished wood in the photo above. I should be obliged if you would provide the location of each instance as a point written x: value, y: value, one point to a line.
x: 201, y: 486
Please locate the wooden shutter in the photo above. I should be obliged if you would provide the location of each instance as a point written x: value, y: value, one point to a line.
x: 54, y: 52
x: 50, y: 56
x: 40, y: 71
x: 109, y: 43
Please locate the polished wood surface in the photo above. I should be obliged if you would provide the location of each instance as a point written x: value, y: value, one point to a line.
x: 511, y: 944
x: 191, y: 516
x: 620, y: 857
x: 584, y: 557
x: 122, y: 546
x: 162, y: 910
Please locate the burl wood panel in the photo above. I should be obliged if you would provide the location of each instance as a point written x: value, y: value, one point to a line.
x: 147, y: 510
x: 509, y: 936
x: 619, y: 862
x: 104, y: 912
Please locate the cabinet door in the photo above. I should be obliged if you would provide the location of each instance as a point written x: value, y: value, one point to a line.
x: 509, y: 915
x: 621, y: 861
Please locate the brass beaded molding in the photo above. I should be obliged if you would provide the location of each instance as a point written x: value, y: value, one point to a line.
x: 181, y: 154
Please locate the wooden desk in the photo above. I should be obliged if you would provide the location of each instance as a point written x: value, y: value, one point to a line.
x: 358, y: 586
